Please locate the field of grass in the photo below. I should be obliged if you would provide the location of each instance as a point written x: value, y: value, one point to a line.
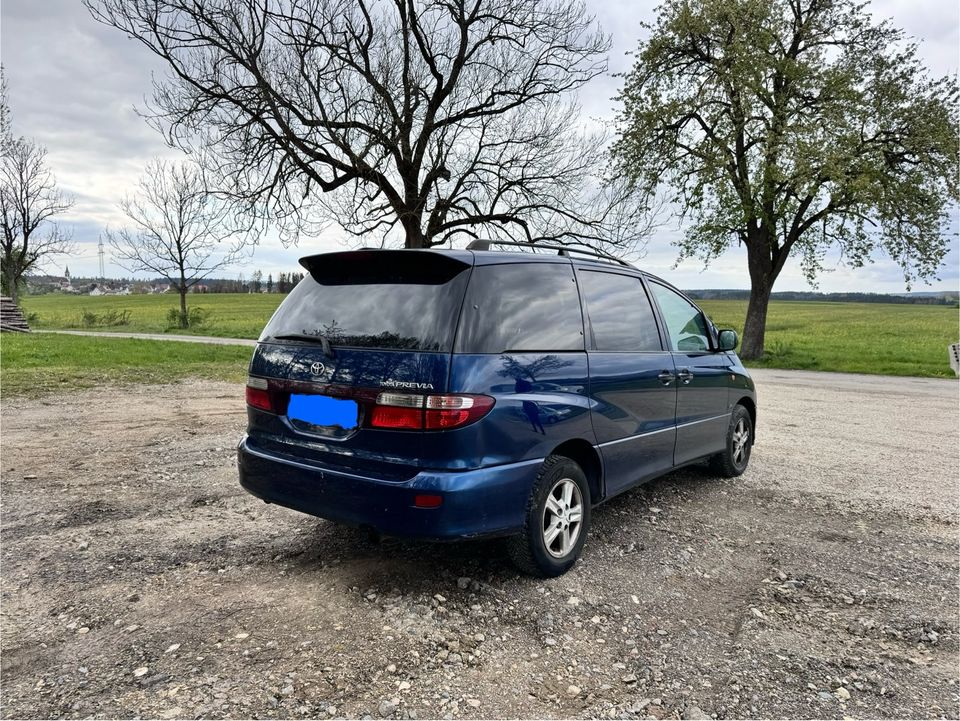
x: 228, y: 315
x: 905, y: 340
x: 844, y: 337
x: 37, y: 364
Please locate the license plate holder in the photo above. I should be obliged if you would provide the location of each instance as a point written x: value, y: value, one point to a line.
x: 323, y: 414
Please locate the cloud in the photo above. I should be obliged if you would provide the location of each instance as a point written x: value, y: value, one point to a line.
x: 73, y: 85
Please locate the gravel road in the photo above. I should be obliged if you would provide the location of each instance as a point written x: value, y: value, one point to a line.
x: 139, y: 580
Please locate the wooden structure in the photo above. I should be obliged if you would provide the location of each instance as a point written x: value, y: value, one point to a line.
x: 11, y: 317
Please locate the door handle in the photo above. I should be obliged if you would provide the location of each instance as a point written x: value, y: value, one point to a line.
x: 685, y: 376
x: 666, y: 377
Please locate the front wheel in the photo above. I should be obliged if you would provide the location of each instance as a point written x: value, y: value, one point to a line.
x: 733, y: 460
x: 557, y: 520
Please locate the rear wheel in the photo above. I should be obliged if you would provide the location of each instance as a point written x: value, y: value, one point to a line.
x: 734, y: 459
x: 557, y: 520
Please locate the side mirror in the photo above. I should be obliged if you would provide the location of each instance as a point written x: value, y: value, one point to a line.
x: 728, y: 339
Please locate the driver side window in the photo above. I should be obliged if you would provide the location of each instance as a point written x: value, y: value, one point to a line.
x: 686, y: 325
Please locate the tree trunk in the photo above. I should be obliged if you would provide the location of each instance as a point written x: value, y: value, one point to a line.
x: 413, y: 231
x: 762, y: 276
x: 10, y: 282
x: 755, y: 326
x: 184, y: 318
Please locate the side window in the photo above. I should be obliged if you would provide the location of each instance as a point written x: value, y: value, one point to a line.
x: 619, y: 312
x: 521, y: 307
x: 685, y: 323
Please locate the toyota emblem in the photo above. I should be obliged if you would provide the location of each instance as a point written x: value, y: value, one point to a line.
x: 318, y: 369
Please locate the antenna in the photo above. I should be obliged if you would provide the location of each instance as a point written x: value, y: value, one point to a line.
x: 100, y: 253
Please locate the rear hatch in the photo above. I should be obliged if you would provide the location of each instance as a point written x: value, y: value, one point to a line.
x: 348, y: 366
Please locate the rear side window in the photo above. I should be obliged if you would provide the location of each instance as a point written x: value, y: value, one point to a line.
x: 619, y: 313
x: 396, y: 300
x: 685, y: 323
x: 521, y: 307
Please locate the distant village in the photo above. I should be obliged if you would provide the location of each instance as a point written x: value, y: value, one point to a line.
x: 66, y: 283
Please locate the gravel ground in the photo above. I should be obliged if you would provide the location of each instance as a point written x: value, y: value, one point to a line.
x: 139, y: 580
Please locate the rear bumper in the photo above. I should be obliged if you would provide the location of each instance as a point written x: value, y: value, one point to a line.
x: 484, y: 502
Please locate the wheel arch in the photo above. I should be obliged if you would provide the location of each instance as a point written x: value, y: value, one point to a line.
x: 586, y: 456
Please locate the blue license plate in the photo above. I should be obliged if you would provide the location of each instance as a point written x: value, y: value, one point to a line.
x: 323, y: 411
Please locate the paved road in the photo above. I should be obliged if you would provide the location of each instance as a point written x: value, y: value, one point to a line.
x: 158, y: 336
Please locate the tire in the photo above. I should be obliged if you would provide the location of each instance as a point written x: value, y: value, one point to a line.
x: 561, y: 485
x: 733, y: 461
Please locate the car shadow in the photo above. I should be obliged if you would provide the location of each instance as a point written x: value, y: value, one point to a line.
x: 413, y: 566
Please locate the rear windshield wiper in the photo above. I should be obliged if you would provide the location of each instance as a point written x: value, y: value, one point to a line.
x: 311, y: 337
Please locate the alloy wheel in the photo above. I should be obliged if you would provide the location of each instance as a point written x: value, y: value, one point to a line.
x: 562, y: 518
x: 741, y: 436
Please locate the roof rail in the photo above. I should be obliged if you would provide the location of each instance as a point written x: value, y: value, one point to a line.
x: 561, y: 249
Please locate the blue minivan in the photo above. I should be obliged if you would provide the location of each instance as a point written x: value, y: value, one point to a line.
x: 454, y: 394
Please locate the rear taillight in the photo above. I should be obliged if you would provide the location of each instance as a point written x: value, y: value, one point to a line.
x: 259, y: 396
x: 402, y: 418
x: 410, y: 411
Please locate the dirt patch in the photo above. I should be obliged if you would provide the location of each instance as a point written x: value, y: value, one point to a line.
x: 140, y: 580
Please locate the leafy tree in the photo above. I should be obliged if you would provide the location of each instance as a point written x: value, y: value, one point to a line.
x: 270, y: 282
x: 178, y: 229
x: 790, y: 127
x: 257, y: 281
x: 421, y: 120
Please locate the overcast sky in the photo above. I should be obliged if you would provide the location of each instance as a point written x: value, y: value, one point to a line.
x: 73, y: 85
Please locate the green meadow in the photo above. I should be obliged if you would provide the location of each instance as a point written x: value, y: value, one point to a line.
x: 228, y: 315
x: 35, y: 364
x: 909, y: 340
x: 902, y: 340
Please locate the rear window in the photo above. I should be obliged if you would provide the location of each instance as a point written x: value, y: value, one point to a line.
x: 398, y: 300
x: 521, y: 307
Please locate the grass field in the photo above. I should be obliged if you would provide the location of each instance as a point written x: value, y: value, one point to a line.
x: 43, y: 363
x: 845, y: 337
x: 228, y: 315
x: 907, y: 340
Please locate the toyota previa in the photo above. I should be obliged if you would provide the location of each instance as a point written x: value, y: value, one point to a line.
x: 456, y: 394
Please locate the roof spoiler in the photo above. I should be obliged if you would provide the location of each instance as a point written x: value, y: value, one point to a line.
x: 374, y: 265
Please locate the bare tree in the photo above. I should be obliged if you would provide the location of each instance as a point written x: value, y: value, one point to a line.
x: 419, y: 119
x: 177, y: 228
x: 6, y: 132
x: 29, y: 200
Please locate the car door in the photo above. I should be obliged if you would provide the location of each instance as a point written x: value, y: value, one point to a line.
x: 632, y: 379
x: 702, y: 376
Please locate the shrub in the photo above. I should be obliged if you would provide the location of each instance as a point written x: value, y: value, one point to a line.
x: 197, y: 316
x: 112, y: 317
x: 88, y: 318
